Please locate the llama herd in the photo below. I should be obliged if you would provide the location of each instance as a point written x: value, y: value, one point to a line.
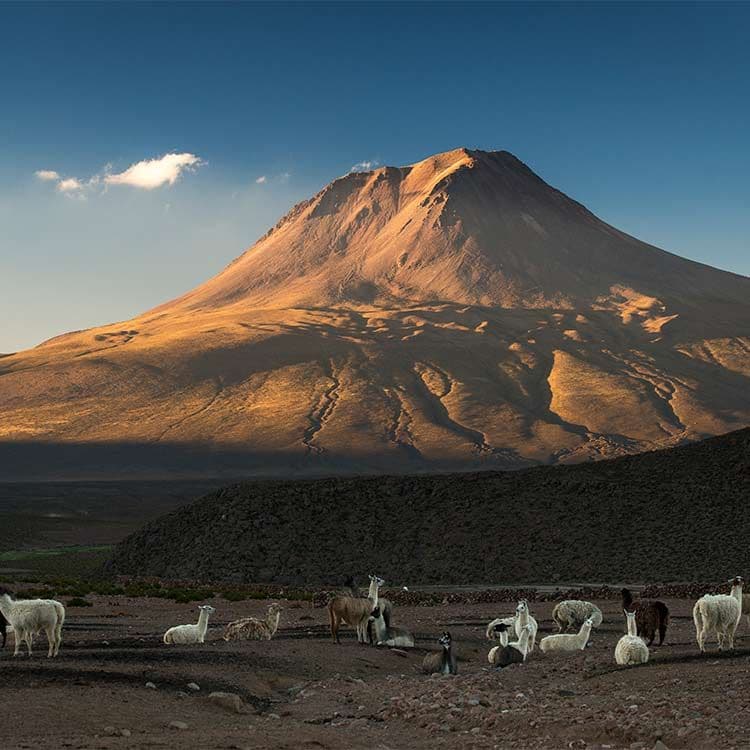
x: 371, y: 616
x: 713, y: 614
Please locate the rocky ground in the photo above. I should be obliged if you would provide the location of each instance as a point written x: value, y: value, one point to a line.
x: 115, y: 685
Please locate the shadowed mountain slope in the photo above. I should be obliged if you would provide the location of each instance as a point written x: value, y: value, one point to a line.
x: 672, y: 515
x: 457, y: 313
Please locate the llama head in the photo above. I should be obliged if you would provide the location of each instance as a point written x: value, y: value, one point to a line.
x: 522, y: 606
x: 501, y: 627
x: 275, y: 607
x: 589, y: 622
x: 207, y: 608
x: 629, y: 613
x: 736, y: 581
x: 445, y: 639
x: 377, y: 580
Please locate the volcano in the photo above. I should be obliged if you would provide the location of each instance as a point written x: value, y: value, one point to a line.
x: 458, y: 313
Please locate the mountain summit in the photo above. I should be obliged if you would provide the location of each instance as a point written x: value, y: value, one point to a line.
x: 455, y: 313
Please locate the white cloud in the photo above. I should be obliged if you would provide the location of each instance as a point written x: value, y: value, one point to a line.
x: 153, y: 173
x: 69, y: 185
x: 47, y: 175
x: 364, y: 166
x: 262, y: 180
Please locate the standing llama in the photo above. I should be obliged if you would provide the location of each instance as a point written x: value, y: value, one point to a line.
x: 31, y: 616
x: 720, y: 614
x: 353, y: 611
x: 252, y: 629
x: 650, y: 616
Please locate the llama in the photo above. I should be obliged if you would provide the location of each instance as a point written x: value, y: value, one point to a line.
x: 354, y: 611
x: 182, y: 634
x: 3, y: 630
x: 523, y: 618
x: 443, y: 661
x: 719, y: 613
x: 386, y: 607
x: 567, y: 641
x: 29, y: 617
x: 572, y: 613
x: 387, y: 636
x: 252, y: 629
x: 630, y: 648
x: 499, y: 633
x: 512, y: 653
x: 492, y: 631
x: 650, y: 616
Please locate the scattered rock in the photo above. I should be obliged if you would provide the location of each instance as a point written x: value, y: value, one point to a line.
x: 125, y: 733
x: 151, y: 686
x: 110, y: 731
x: 660, y: 745
x: 229, y: 701
x: 181, y: 725
x: 193, y: 686
x: 400, y: 652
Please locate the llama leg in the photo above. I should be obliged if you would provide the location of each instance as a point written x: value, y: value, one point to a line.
x: 662, y: 632
x: 50, y: 633
x: 16, y: 641
x: 29, y: 637
x: 58, y: 637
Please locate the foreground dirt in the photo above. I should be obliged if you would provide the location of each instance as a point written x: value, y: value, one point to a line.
x: 301, y: 691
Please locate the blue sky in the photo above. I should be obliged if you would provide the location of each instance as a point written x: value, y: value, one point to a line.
x: 640, y: 111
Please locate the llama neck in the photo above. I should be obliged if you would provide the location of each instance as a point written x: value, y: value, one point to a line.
x: 631, y: 624
x: 272, y: 620
x: 447, y: 655
x: 373, y: 594
x: 5, y: 604
x: 736, y: 593
x: 584, y: 634
x: 523, y: 617
x: 203, y: 621
x: 627, y: 599
x: 504, y: 638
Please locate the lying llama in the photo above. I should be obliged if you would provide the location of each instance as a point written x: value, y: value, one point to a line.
x: 181, y: 634
x: 572, y: 613
x: 493, y: 632
x: 443, y: 661
x: 567, y: 641
x: 253, y: 629
x: 512, y: 653
x: 499, y: 633
x: 383, y: 635
x: 354, y: 611
x: 630, y: 648
x: 28, y: 617
x: 720, y: 614
x: 523, y: 619
x: 650, y: 616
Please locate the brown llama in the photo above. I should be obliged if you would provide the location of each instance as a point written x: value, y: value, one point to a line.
x: 353, y: 611
x: 650, y: 616
x: 252, y: 629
